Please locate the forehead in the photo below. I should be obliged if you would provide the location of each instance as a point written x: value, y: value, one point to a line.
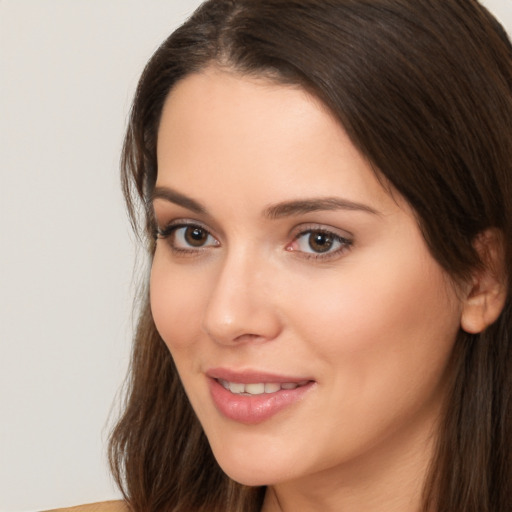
x: 237, y: 107
x: 238, y: 136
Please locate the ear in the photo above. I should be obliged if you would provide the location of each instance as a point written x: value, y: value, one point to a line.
x: 486, y: 294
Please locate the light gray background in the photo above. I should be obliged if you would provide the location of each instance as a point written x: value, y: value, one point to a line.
x: 68, y: 69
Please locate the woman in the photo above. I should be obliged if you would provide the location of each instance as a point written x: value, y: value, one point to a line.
x: 325, y: 190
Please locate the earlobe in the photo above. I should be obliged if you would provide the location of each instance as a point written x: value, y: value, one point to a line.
x: 487, y: 292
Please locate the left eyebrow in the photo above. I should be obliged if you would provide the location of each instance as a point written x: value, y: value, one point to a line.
x: 173, y: 196
x: 301, y: 206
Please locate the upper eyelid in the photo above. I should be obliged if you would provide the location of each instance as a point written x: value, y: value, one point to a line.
x: 346, y: 240
x: 165, y: 221
x: 181, y: 222
x: 294, y: 233
x: 340, y: 238
x: 308, y: 227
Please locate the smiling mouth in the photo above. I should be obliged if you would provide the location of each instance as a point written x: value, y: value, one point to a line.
x: 258, y: 397
x: 259, y: 388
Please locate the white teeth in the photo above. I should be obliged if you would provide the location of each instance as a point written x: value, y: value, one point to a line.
x: 259, y: 388
x: 236, y: 387
x: 255, y: 389
x: 272, y: 388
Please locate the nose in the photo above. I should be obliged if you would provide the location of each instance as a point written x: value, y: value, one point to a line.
x: 242, y: 304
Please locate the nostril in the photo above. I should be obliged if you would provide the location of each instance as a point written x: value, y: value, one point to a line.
x: 247, y: 337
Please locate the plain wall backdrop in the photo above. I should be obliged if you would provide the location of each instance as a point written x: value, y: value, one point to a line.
x: 68, y: 70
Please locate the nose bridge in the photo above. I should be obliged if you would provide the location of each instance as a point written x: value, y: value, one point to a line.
x: 240, y: 305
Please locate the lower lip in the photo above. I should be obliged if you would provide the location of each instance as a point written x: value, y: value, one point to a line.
x: 252, y: 409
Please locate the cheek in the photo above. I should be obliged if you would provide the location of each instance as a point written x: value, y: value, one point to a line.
x: 397, y: 293
x: 382, y: 332
x: 384, y: 342
x: 176, y: 303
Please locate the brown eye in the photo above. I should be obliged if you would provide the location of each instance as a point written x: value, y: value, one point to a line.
x: 187, y: 237
x: 320, y: 242
x: 195, y: 236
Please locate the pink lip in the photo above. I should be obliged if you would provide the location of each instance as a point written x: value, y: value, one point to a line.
x: 252, y: 409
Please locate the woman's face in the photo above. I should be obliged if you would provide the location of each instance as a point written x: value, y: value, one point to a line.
x: 310, y: 325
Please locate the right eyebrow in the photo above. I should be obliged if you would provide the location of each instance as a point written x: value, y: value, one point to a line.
x: 302, y: 206
x: 171, y: 195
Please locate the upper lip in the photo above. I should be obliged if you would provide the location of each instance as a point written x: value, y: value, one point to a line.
x: 252, y: 376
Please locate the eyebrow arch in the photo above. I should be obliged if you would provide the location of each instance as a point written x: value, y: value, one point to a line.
x: 168, y: 194
x: 302, y: 206
x: 275, y: 211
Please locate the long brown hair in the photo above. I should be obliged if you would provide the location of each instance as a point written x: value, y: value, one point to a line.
x: 424, y: 90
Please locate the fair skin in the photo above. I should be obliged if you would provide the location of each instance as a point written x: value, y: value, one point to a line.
x: 341, y: 294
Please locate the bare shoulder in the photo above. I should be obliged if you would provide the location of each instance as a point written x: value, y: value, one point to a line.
x: 104, y: 506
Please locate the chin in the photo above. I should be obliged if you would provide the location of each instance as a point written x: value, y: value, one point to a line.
x: 251, y: 479
x: 250, y: 476
x: 254, y: 472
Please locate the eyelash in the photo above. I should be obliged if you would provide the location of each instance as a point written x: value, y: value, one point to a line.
x: 169, y: 233
x: 344, y: 244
